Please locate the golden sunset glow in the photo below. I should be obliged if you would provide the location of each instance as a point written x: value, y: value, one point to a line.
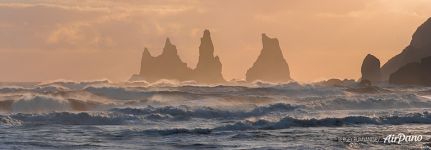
x: 84, y: 40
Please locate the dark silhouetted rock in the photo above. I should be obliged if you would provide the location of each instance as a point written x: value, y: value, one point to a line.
x: 332, y: 82
x: 270, y: 65
x: 420, y: 47
x: 337, y: 82
x: 168, y: 65
x: 365, y: 82
x: 370, y: 69
x: 209, y: 68
x: 413, y: 73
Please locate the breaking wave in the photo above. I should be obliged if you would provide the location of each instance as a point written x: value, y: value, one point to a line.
x: 69, y: 118
x: 38, y: 89
x: 35, y: 103
x: 288, y: 122
x: 74, y: 85
x: 185, y: 112
x: 367, y: 102
x: 29, y: 104
x: 106, y: 103
x: 7, y: 121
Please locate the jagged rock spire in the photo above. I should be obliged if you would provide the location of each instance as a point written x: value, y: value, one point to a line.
x: 169, y: 48
x: 270, y: 64
x: 168, y: 65
x: 209, y: 68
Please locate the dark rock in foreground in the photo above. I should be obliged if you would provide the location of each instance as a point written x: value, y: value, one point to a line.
x: 413, y: 73
x: 270, y: 65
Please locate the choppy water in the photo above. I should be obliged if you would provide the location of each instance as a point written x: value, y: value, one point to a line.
x: 171, y: 115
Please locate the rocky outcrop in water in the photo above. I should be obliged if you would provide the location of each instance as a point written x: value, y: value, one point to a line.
x: 209, y: 68
x: 420, y: 47
x: 270, y: 65
x: 168, y: 65
x: 337, y: 82
x: 370, y: 69
x: 413, y: 73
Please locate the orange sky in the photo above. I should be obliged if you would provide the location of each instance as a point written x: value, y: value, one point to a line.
x: 44, y: 40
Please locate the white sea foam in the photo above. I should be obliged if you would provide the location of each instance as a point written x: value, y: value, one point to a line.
x: 38, y: 103
x: 75, y: 85
x: 7, y: 121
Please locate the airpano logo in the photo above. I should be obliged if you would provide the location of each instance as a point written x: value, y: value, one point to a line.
x: 399, y: 138
x: 402, y: 138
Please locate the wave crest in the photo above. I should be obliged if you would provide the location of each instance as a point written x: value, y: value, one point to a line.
x: 36, y: 103
x: 185, y: 112
x: 287, y: 122
x: 83, y: 118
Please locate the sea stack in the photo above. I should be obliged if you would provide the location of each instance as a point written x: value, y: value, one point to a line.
x: 420, y: 47
x: 168, y: 65
x: 209, y: 67
x: 370, y: 69
x: 270, y: 65
x: 413, y: 73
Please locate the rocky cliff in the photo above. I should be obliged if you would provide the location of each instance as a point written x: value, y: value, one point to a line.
x: 420, y: 47
x: 413, y: 73
x: 370, y: 69
x: 270, y: 65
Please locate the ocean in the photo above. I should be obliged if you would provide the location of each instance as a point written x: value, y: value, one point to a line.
x: 236, y: 115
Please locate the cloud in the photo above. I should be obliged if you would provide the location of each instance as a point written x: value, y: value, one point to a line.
x: 130, y: 24
x: 100, y: 25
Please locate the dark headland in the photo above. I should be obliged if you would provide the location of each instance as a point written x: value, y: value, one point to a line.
x: 416, y: 73
x: 419, y: 47
x: 412, y: 66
